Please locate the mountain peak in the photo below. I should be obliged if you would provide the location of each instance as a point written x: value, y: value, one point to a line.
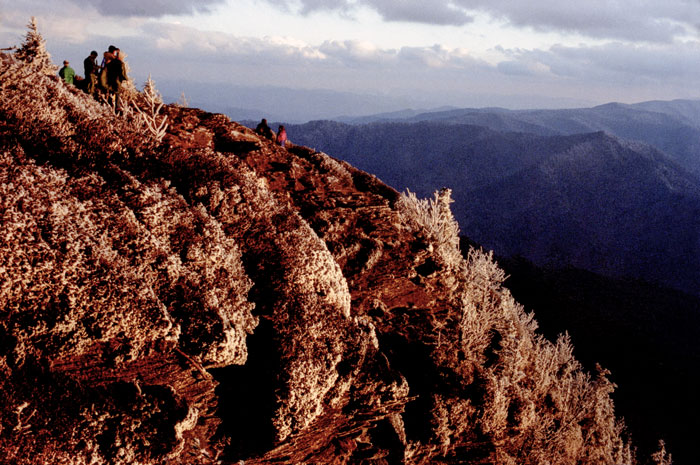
x: 166, y: 293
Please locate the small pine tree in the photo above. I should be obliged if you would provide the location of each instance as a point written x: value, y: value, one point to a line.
x: 183, y: 101
x: 33, y: 50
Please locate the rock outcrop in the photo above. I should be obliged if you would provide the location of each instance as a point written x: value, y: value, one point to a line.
x: 212, y: 297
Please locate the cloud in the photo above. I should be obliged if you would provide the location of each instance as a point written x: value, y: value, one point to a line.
x: 347, y: 54
x: 631, y: 20
x: 148, y: 8
x: 420, y: 11
x: 355, y: 53
x: 624, y: 19
x: 59, y: 19
x: 618, y: 69
x: 174, y: 52
x: 516, y: 68
x: 193, y: 44
x: 609, y: 71
x: 154, y: 8
x: 309, y: 6
x: 614, y: 64
x: 413, y: 11
x: 438, y: 56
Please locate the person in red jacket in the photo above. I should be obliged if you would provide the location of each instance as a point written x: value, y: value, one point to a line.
x: 282, y: 136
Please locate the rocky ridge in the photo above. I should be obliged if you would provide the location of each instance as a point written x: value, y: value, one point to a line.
x: 162, y: 299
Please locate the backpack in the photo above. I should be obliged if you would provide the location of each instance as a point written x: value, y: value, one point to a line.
x: 104, y: 85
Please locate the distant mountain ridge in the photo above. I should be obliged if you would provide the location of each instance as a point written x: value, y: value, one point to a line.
x: 672, y: 127
x: 606, y: 199
x: 616, y: 208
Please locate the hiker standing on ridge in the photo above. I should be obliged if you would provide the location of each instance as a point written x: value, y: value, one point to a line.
x: 108, y: 56
x: 91, y: 71
x: 282, y: 136
x: 116, y: 74
x: 264, y: 130
x: 67, y: 73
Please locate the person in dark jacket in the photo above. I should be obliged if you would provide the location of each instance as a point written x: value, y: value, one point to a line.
x: 91, y: 72
x: 264, y: 130
x: 67, y: 73
x: 116, y: 74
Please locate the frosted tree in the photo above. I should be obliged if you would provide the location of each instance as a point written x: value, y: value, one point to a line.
x: 183, y: 101
x: 150, y: 116
x: 661, y: 457
x: 433, y: 218
x: 33, y: 50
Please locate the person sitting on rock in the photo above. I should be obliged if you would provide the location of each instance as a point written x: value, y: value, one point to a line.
x: 264, y: 130
x: 67, y: 73
x: 282, y: 136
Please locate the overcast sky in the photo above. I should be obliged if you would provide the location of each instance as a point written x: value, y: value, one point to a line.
x: 420, y: 52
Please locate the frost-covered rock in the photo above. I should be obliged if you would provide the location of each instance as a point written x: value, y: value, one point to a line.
x: 163, y: 296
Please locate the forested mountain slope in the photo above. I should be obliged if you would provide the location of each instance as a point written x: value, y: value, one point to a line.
x: 672, y: 127
x: 588, y: 200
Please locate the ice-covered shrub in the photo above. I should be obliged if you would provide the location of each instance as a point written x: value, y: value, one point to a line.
x: 150, y: 116
x: 433, y: 218
x: 534, y: 402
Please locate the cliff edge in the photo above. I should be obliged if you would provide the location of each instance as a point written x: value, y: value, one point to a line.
x: 206, y: 296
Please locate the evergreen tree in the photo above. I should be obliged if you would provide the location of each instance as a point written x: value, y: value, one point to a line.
x: 33, y: 50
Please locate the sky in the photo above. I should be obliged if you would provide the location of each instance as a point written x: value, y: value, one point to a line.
x: 366, y: 56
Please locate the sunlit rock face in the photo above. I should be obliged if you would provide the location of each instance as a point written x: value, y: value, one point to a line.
x: 210, y: 296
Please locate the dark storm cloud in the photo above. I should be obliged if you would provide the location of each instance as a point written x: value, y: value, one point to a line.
x: 151, y: 8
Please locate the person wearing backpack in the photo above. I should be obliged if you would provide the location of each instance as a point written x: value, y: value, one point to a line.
x: 107, y: 57
x: 116, y: 74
